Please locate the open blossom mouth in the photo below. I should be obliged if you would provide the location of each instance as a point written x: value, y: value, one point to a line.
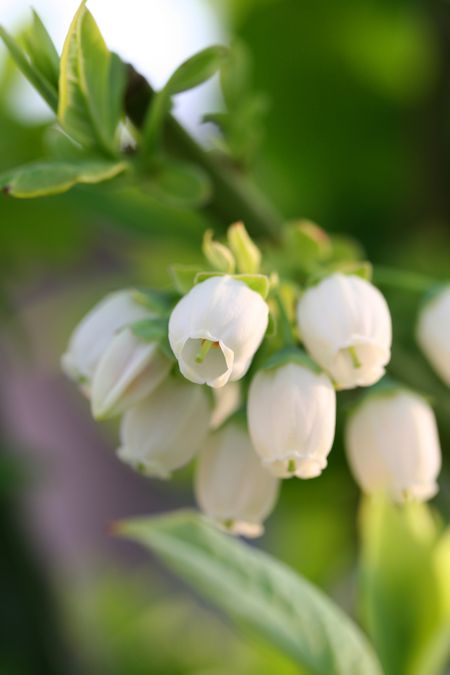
x: 207, y: 361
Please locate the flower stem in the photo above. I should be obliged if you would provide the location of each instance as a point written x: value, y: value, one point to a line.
x: 235, y: 196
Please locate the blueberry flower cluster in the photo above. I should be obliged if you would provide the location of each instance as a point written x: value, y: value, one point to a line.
x: 240, y: 370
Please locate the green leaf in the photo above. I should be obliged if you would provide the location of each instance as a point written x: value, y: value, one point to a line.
x: 405, y: 586
x: 259, y: 592
x: 307, y: 241
x: 197, y: 69
x: 102, y: 78
x: 45, y: 89
x: 49, y: 178
x: 191, y: 73
x: 179, y: 184
x: 42, y: 52
x: 90, y: 86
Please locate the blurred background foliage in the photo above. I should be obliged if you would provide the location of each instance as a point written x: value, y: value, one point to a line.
x: 356, y: 137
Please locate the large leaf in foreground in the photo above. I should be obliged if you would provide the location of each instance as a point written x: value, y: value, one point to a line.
x: 258, y: 591
x: 50, y: 178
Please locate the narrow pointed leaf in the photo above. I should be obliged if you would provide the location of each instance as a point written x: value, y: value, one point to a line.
x: 259, y: 592
x: 35, y: 78
x: 197, y: 69
x: 42, y: 52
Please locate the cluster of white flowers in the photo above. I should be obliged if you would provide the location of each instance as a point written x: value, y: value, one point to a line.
x: 215, y: 329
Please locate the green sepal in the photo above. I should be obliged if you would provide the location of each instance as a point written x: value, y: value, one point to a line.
x: 184, y: 276
x: 363, y: 269
x: 256, y: 282
x: 385, y: 388
x: 157, y: 301
x: 291, y: 355
x: 153, y: 330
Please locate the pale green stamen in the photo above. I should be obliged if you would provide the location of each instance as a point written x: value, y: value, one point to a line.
x: 291, y: 467
x: 205, y: 346
x: 354, y: 357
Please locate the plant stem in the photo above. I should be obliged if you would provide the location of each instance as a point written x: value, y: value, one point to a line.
x: 403, y: 280
x: 235, y: 196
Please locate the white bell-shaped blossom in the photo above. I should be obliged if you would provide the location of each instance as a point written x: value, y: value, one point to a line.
x: 393, y: 445
x: 232, y: 487
x: 433, y: 333
x: 291, y: 417
x: 165, y: 430
x: 227, y: 400
x: 215, y: 330
x: 94, y: 333
x: 129, y: 370
x: 345, y: 324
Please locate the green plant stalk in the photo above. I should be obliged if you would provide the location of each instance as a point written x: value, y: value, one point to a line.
x: 235, y: 196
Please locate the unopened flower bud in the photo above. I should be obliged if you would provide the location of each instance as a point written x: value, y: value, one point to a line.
x: 291, y: 417
x: 94, y: 333
x: 393, y: 445
x: 245, y: 251
x: 345, y: 324
x: 215, y: 330
x: 129, y: 370
x: 164, y: 431
x: 433, y: 333
x: 231, y: 486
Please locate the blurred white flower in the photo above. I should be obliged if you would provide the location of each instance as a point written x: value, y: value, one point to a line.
x: 433, y: 333
x: 231, y: 486
x: 393, y: 445
x: 215, y: 330
x: 94, y: 333
x: 165, y: 430
x: 129, y: 370
x: 345, y: 324
x: 227, y: 400
x: 291, y: 417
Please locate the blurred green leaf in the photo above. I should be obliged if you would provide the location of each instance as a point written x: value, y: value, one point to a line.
x: 46, y: 90
x: 102, y: 77
x: 197, y: 69
x: 91, y: 85
x: 255, y: 589
x: 188, y: 75
x: 179, y: 184
x: 42, y: 51
x: 49, y: 178
x: 405, y: 586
